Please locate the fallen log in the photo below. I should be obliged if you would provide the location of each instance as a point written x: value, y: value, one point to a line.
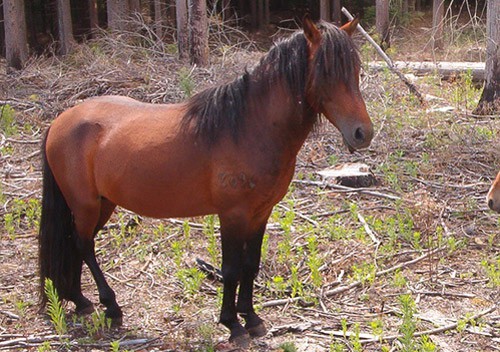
x: 446, y: 70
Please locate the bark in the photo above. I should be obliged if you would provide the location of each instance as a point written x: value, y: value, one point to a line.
x: 182, y: 28
x: 489, y: 103
x: 437, y: 24
x: 16, y: 44
x: 93, y: 16
x: 118, y: 11
x: 324, y: 10
x: 336, y: 12
x: 134, y: 6
x: 382, y: 22
x: 64, y: 27
x: 159, y: 6
x: 198, y: 31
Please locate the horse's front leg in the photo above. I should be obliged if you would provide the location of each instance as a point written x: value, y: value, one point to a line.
x: 232, y: 263
x: 254, y: 324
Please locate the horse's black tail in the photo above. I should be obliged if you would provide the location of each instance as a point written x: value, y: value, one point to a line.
x: 59, y: 259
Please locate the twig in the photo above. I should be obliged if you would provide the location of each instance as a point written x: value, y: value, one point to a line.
x: 368, y: 230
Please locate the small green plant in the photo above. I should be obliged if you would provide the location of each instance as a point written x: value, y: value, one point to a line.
x: 207, y: 333
x: 186, y: 82
x: 492, y: 271
x: 45, y: 347
x: 409, y: 323
x: 191, y: 280
x: 114, y: 346
x: 98, y: 323
x: 7, y: 120
x: 355, y: 340
x: 54, y: 308
x: 288, y: 347
x: 314, y: 261
x: 209, y: 231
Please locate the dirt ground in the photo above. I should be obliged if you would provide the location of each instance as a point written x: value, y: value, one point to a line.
x: 409, y: 264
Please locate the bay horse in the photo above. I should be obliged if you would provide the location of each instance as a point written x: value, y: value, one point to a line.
x: 229, y: 150
x: 493, y: 197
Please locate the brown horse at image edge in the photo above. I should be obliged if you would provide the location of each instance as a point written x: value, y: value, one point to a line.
x: 493, y: 197
x: 229, y: 150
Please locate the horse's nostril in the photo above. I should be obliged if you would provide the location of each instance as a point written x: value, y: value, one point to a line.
x: 490, y: 203
x: 359, y: 135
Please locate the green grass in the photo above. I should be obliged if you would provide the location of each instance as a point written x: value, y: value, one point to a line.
x: 55, y: 309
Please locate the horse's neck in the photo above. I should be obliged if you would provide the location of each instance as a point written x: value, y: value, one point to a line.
x: 284, y: 118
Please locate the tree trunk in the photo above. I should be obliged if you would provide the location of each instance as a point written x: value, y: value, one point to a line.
x: 93, y: 16
x: 134, y: 6
x: 336, y: 12
x: 2, y: 32
x: 382, y: 22
x: 489, y: 103
x: 159, y: 6
x: 254, y: 21
x: 64, y: 27
x: 198, y: 31
x: 437, y: 24
x: 181, y: 13
x: 16, y: 44
x: 324, y: 10
x: 118, y: 12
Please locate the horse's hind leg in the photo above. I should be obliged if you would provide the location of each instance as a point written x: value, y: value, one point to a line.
x: 254, y: 324
x: 88, y: 220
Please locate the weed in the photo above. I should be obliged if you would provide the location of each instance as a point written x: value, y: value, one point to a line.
x: 7, y: 120
x: 314, y: 261
x: 98, y: 323
x: 191, y: 280
x: 365, y: 272
x: 207, y: 333
x: 186, y: 82
x: 54, y: 308
x: 409, y: 324
x: 45, y: 347
x: 209, y: 231
x: 114, y: 346
x: 295, y: 282
x: 492, y: 271
x: 355, y: 340
x: 288, y: 347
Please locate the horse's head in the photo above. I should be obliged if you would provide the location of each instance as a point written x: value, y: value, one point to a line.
x: 333, y: 82
x: 493, y: 197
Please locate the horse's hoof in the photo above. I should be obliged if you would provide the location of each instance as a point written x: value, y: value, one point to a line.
x: 86, y: 310
x: 116, y: 317
x: 242, y: 341
x: 257, y: 330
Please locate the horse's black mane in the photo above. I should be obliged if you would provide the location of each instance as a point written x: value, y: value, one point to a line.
x: 224, y: 107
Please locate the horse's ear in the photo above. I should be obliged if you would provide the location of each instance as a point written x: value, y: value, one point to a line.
x: 351, y: 26
x: 311, y: 32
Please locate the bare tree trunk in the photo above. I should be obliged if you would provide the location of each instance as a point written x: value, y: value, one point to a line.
x: 254, y: 22
x: 2, y: 32
x: 267, y: 13
x: 489, y: 103
x: 336, y: 12
x: 159, y: 18
x: 16, y: 44
x: 324, y: 10
x: 198, y: 31
x: 118, y: 11
x: 181, y: 12
x: 93, y: 15
x: 382, y: 22
x: 64, y: 27
x: 437, y: 24
x: 134, y: 6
